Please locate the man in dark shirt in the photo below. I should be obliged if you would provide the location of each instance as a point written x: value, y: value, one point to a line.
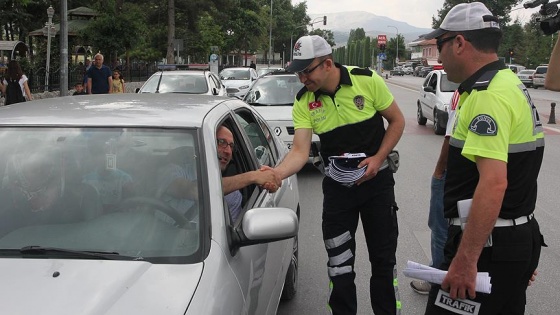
x: 100, y: 79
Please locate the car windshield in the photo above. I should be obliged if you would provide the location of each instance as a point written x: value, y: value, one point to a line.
x: 176, y: 83
x: 100, y: 191
x: 274, y: 90
x: 446, y: 85
x: 541, y: 70
x: 235, y: 74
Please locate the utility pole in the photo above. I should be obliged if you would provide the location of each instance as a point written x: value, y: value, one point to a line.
x: 270, y: 37
x: 63, y: 48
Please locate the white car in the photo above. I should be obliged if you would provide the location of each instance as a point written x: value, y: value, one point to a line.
x: 238, y: 80
x: 526, y: 76
x: 434, y: 99
x: 273, y: 95
x: 538, y: 77
x: 185, y: 82
x: 72, y: 247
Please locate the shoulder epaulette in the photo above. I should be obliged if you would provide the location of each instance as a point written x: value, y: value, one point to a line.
x: 484, y: 81
x: 361, y: 71
x: 301, y: 92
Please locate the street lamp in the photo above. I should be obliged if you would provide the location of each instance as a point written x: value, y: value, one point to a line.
x: 396, y: 59
x: 49, y: 27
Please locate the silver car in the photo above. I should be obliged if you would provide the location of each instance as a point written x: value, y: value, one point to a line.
x: 84, y: 228
x: 526, y: 76
x: 184, y: 82
x: 238, y: 80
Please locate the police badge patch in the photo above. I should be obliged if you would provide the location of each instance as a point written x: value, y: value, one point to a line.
x: 359, y: 101
x: 484, y: 125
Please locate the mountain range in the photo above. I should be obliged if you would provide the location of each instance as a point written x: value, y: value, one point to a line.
x: 342, y: 22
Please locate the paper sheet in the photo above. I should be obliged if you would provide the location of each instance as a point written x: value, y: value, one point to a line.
x: 434, y: 275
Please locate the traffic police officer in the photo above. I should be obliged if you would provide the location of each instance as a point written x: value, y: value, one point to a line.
x: 345, y: 107
x: 495, y: 153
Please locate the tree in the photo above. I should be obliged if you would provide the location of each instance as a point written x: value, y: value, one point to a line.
x: 326, y: 34
x: 356, y: 35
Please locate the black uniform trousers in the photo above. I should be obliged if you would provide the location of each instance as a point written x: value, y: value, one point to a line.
x: 510, y: 261
x: 374, y: 202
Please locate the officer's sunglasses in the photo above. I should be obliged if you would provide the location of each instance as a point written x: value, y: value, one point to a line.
x: 307, y: 72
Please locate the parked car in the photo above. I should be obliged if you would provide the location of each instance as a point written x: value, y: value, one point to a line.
x: 238, y: 80
x: 515, y: 68
x: 397, y: 71
x: 538, y: 77
x: 433, y: 102
x: 424, y: 71
x: 273, y: 95
x: 142, y: 256
x: 526, y: 76
x: 408, y: 70
x: 185, y: 82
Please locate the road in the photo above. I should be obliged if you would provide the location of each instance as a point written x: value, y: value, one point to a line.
x: 419, y: 148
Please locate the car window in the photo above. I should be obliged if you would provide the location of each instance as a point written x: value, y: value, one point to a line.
x: 235, y: 74
x: 541, y: 70
x: 427, y: 80
x: 175, y: 83
x: 446, y: 85
x: 102, y: 190
x: 274, y: 90
x: 261, y: 148
x: 433, y: 81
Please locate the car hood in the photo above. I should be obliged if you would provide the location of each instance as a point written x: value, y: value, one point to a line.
x: 61, y: 286
x: 235, y: 83
x: 274, y: 113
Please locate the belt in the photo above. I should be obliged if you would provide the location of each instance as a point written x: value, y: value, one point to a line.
x: 500, y: 222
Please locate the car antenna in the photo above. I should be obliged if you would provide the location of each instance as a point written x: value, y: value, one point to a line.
x: 159, y: 81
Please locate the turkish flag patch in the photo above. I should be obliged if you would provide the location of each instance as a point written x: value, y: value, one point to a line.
x: 315, y: 105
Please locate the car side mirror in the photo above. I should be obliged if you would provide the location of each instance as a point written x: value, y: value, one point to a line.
x: 429, y: 89
x: 214, y: 91
x: 137, y: 90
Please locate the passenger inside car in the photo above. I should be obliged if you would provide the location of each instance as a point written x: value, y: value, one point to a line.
x: 36, y: 190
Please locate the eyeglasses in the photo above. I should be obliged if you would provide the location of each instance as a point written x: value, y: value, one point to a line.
x: 308, y: 71
x: 222, y: 143
x: 441, y: 41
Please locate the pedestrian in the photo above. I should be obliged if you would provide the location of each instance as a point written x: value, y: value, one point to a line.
x: 346, y: 108
x: 494, y: 158
x: 100, y: 80
x: 253, y: 65
x: 118, y: 82
x: 79, y: 89
x: 436, y: 220
x: 14, y: 86
x: 87, y: 65
x: 552, y: 79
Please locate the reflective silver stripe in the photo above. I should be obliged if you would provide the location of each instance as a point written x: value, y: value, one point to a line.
x: 341, y: 258
x: 337, y: 271
x: 337, y: 241
x: 456, y: 142
x: 526, y: 147
x: 512, y: 148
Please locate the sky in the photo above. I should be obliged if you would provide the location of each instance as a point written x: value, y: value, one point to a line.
x: 417, y: 13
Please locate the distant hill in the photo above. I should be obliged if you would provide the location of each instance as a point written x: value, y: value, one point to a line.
x: 341, y: 23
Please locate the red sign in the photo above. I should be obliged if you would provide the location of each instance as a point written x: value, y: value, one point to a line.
x: 381, y: 39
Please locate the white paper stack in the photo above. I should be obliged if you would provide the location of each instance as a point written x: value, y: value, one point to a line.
x: 434, y: 275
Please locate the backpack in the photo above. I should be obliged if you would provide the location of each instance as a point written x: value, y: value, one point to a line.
x: 13, y: 93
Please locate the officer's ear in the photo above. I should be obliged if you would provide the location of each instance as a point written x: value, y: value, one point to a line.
x: 329, y: 63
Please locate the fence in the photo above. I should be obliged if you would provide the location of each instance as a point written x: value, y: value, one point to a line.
x: 136, y: 72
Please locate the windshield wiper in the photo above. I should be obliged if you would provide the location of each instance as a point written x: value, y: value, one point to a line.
x: 40, y: 250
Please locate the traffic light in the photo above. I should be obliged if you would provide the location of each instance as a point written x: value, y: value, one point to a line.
x: 511, y: 52
x: 324, y: 20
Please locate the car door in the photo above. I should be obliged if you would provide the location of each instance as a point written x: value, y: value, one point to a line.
x: 259, y: 268
x: 430, y: 98
x: 424, y: 97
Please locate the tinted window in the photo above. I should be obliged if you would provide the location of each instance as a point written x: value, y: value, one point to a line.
x: 541, y: 70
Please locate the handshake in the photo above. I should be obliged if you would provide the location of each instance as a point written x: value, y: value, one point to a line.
x: 267, y: 178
